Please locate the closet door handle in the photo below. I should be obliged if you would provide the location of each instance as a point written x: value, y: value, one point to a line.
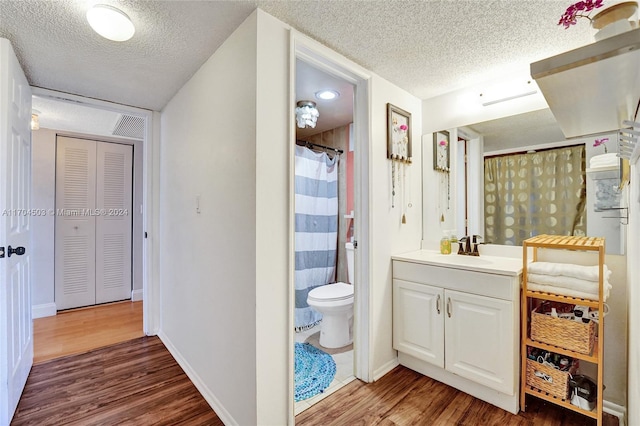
x: 449, y: 307
x: 438, y: 304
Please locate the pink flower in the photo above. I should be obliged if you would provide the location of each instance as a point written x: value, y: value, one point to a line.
x: 443, y: 143
x: 602, y: 141
x: 571, y: 15
x: 403, y: 127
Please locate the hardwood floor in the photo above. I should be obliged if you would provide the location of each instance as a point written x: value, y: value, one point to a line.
x: 404, y: 397
x: 132, y: 383
x: 80, y: 330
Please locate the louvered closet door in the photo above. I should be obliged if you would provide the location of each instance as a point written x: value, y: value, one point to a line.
x: 75, y: 237
x: 113, y: 224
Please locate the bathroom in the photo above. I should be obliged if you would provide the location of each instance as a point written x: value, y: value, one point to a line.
x: 324, y: 254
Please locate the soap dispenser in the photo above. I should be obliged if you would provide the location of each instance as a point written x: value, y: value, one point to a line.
x: 445, y: 244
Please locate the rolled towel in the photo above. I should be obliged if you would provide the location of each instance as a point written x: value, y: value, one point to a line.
x: 589, y: 273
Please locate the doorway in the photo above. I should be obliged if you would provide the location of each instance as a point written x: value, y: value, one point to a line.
x: 350, y: 137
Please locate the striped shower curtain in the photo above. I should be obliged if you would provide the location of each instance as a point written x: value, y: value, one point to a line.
x: 316, y: 228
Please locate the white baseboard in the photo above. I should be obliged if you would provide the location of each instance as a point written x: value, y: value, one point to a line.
x: 43, y: 310
x: 379, y: 372
x: 615, y: 410
x: 136, y: 295
x: 215, y: 404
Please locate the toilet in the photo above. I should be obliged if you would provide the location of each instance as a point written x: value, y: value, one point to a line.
x: 335, y: 303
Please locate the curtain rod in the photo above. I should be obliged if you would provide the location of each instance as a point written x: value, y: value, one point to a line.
x: 310, y: 144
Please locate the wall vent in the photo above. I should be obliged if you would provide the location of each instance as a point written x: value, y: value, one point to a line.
x: 129, y: 126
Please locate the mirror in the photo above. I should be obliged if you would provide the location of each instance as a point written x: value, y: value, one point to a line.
x: 538, y: 130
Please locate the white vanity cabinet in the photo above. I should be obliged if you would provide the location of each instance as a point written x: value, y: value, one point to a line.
x: 460, y: 324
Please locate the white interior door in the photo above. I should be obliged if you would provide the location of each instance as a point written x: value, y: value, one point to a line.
x: 113, y: 223
x: 16, y: 332
x: 93, y: 225
x: 75, y: 229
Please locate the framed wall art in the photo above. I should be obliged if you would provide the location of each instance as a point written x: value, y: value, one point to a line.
x: 441, y: 144
x: 398, y: 134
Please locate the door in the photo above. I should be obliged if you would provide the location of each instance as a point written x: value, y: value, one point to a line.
x: 418, y: 321
x: 16, y: 333
x: 479, y: 339
x: 93, y: 225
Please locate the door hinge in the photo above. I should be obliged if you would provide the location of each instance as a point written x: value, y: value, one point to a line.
x: 355, y: 244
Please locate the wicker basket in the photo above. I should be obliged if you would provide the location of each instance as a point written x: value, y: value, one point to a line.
x: 564, y: 333
x: 557, y: 383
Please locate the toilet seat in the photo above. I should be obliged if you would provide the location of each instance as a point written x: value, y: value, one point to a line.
x: 331, y: 293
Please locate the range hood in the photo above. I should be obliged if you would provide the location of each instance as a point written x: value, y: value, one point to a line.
x: 595, y: 88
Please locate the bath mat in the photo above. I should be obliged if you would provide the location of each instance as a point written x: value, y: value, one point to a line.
x: 314, y: 371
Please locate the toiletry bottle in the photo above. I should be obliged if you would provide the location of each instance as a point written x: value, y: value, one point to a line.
x: 445, y: 244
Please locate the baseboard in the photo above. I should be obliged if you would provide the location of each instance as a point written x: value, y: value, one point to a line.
x: 379, y: 372
x: 136, y: 295
x: 43, y: 310
x: 206, y: 393
x: 615, y: 410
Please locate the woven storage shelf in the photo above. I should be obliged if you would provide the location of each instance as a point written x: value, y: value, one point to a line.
x: 564, y: 333
x: 559, y: 384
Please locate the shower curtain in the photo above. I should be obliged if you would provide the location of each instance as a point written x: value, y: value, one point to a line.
x: 316, y: 228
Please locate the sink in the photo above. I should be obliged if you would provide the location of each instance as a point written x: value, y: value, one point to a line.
x: 455, y: 259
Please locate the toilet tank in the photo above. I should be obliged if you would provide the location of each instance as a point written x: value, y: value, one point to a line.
x: 349, y: 247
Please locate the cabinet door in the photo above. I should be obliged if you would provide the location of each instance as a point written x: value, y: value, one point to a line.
x: 418, y: 321
x: 480, y: 339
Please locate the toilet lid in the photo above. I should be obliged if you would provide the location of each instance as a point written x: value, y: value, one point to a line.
x: 337, y: 291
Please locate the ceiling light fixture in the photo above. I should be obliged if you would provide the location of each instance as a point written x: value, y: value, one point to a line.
x: 327, y: 95
x: 110, y: 22
x: 35, y: 122
x: 306, y: 114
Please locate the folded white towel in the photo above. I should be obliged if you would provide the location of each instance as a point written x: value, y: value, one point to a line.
x: 566, y: 282
x: 589, y: 273
x: 566, y: 291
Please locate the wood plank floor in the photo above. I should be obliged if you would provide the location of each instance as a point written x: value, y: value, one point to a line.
x: 80, y: 330
x: 404, y: 397
x: 132, y: 383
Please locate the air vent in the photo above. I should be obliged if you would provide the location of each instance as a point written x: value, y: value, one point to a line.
x: 129, y: 126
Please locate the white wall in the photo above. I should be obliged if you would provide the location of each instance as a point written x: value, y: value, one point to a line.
x: 388, y: 235
x: 273, y: 242
x: 43, y: 181
x: 43, y: 166
x: 208, y: 260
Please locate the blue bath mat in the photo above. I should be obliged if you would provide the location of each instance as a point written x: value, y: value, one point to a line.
x: 314, y: 371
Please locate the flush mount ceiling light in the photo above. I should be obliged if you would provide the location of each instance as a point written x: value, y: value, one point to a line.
x: 306, y: 114
x: 110, y: 22
x: 35, y: 122
x: 327, y: 95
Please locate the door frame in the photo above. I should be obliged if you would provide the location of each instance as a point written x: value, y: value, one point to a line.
x: 150, y: 196
x: 323, y: 58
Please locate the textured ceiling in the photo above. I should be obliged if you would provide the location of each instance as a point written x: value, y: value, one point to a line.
x: 426, y: 47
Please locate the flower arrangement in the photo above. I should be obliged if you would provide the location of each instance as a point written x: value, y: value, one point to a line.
x: 602, y: 142
x: 581, y: 9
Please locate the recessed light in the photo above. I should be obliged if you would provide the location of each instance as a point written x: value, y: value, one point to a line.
x: 110, y: 22
x: 327, y: 95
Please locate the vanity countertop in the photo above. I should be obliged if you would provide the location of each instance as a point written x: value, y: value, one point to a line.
x: 511, y: 266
